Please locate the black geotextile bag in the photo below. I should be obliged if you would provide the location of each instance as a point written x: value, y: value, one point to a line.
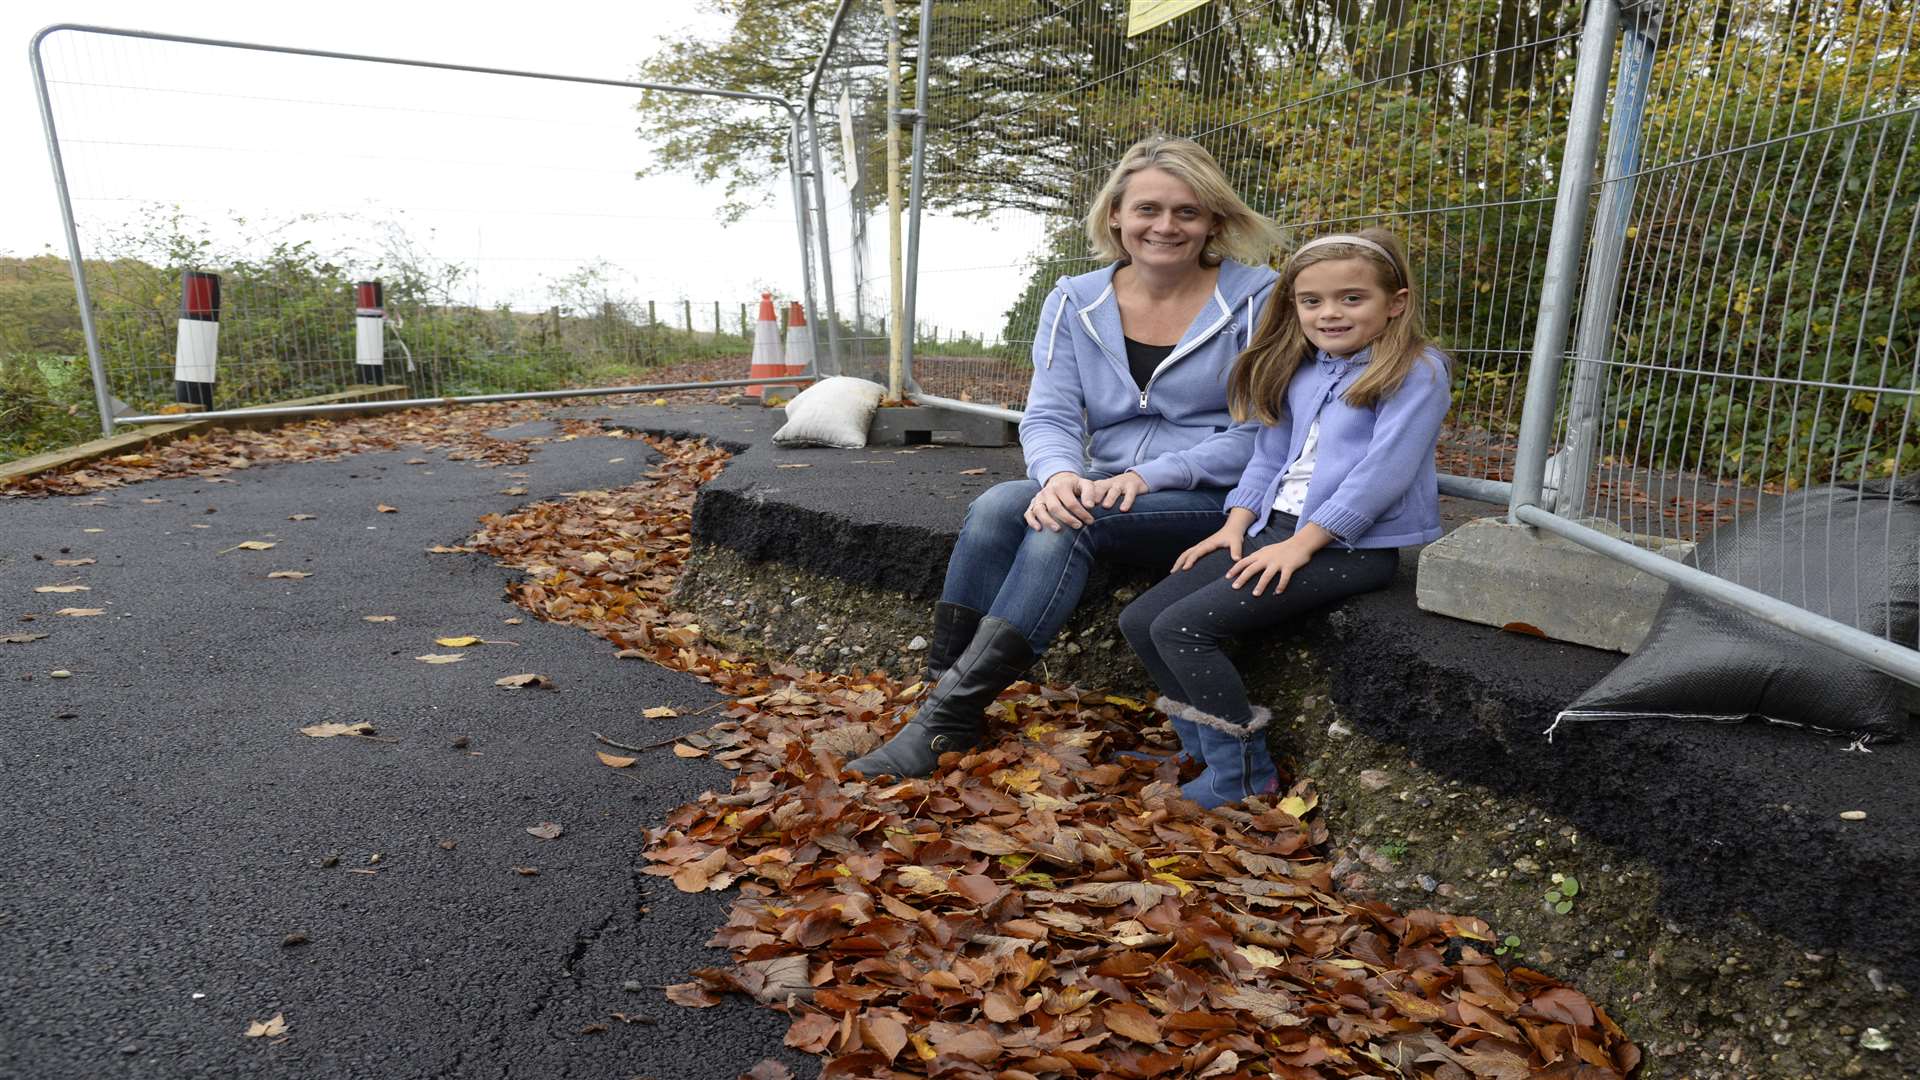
x: 1850, y: 552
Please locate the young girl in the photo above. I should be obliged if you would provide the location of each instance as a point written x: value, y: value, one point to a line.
x: 1351, y: 397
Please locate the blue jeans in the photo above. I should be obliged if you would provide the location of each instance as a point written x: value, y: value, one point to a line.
x: 1032, y: 579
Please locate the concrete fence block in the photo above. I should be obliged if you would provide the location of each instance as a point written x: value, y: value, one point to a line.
x: 1495, y: 573
x: 916, y: 425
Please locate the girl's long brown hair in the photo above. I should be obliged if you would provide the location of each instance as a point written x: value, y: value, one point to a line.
x: 1257, y: 387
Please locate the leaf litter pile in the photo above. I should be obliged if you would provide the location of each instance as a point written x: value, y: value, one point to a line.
x: 219, y: 450
x: 1039, y: 907
x: 462, y: 431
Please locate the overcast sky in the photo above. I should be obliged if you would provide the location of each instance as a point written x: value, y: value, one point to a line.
x: 521, y: 181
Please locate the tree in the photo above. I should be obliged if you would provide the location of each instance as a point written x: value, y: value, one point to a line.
x: 1030, y: 97
x: 771, y: 49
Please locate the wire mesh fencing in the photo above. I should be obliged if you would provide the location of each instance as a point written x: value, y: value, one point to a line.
x: 1439, y: 121
x: 508, y: 218
x: 1765, y: 333
x: 1760, y: 337
x: 1723, y: 305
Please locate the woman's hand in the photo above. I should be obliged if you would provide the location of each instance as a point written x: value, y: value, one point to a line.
x: 1276, y: 563
x: 1063, y: 500
x: 1122, y: 489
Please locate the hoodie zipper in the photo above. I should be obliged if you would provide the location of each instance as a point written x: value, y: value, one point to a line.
x: 1229, y: 327
x: 1153, y: 424
x: 1147, y: 390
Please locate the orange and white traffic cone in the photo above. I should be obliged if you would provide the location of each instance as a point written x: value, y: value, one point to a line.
x: 767, y: 363
x: 799, y: 342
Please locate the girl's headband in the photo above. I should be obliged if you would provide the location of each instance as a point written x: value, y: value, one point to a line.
x: 1348, y: 238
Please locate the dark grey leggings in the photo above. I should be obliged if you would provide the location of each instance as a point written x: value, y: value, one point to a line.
x: 1178, y: 626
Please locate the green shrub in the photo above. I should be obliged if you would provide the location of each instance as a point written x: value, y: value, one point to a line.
x: 46, y: 402
x: 287, y: 331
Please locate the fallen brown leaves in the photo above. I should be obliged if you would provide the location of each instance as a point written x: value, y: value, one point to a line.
x: 270, y: 1028
x: 461, y: 430
x: 1041, y: 909
x: 220, y: 450
x: 1036, y: 908
x: 607, y: 559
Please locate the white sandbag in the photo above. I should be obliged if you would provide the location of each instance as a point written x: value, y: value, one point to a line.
x: 832, y: 412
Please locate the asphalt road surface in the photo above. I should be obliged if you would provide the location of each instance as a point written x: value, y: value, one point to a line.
x: 166, y: 827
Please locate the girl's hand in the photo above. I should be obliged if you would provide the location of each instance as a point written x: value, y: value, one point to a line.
x: 1274, y: 563
x: 1122, y: 489
x: 1228, y: 537
x: 1063, y: 500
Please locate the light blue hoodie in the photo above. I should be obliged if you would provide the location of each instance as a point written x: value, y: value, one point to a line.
x: 1085, y: 413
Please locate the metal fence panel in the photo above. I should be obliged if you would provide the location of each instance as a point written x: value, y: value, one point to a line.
x: 1766, y: 333
x: 501, y: 211
x: 1739, y: 322
x: 1441, y: 121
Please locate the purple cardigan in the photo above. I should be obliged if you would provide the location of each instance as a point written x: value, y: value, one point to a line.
x: 1374, y: 484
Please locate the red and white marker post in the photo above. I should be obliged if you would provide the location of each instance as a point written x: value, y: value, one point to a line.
x: 196, y: 348
x: 369, y: 332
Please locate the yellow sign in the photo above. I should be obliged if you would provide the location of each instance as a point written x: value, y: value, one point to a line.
x: 1144, y: 15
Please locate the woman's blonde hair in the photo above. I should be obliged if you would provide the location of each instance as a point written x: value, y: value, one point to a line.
x: 1257, y: 386
x: 1239, y: 232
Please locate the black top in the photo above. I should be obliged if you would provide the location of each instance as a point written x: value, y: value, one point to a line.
x: 1142, y: 359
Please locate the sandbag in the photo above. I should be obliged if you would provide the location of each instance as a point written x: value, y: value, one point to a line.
x: 1850, y: 552
x: 833, y: 412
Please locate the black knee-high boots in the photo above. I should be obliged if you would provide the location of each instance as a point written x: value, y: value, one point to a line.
x: 952, y: 716
x: 953, y: 630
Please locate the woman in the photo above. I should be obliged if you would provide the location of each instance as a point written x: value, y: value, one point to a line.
x: 1129, y: 446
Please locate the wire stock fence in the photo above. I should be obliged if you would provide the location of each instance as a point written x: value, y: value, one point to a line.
x: 500, y: 210
x: 1671, y: 248
x: 294, y: 334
